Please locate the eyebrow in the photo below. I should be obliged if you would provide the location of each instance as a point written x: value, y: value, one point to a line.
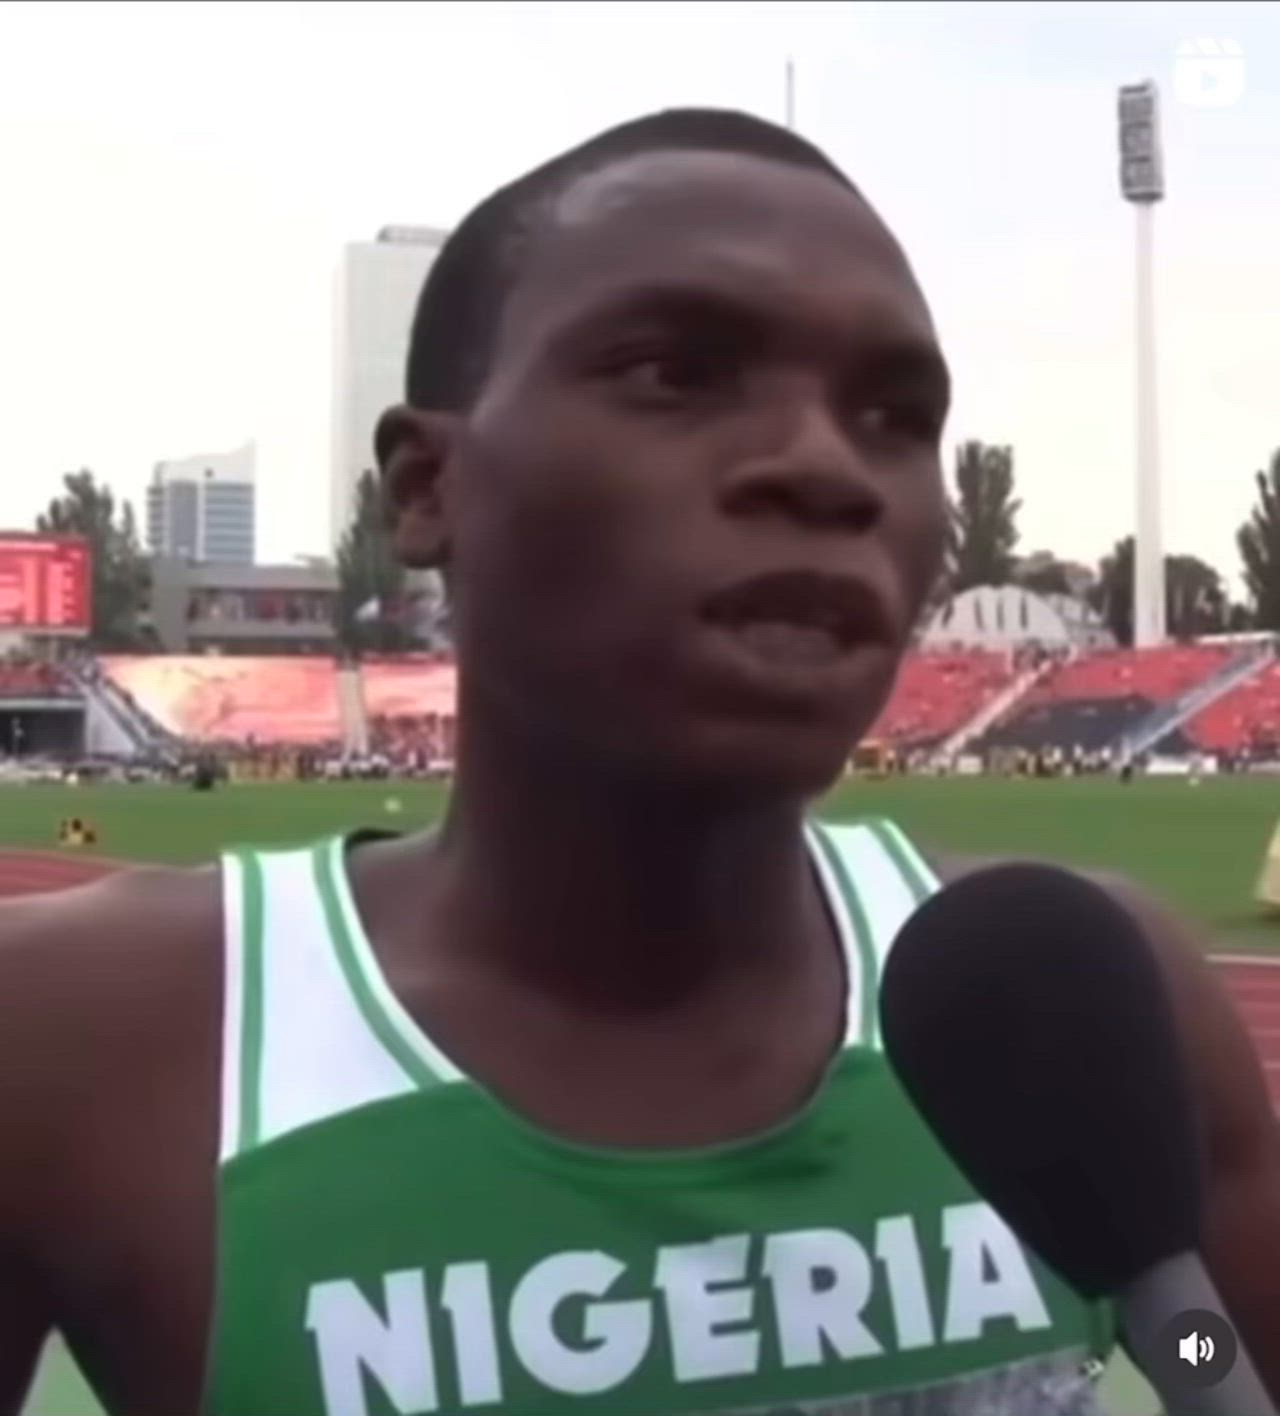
x: 888, y: 355
x: 674, y: 304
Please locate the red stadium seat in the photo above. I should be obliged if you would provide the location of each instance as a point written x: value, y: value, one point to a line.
x: 411, y: 706
x: 1158, y: 675
x: 234, y: 699
x: 937, y: 693
x: 1248, y: 716
x: 26, y: 679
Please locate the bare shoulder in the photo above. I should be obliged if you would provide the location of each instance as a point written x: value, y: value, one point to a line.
x: 110, y: 1020
x: 118, y: 943
x: 1240, y: 1140
x: 99, y: 985
x: 1240, y: 1128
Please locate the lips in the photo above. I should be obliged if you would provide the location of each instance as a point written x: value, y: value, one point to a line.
x: 794, y: 614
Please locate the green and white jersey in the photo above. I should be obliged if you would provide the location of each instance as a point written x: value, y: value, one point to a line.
x: 392, y: 1240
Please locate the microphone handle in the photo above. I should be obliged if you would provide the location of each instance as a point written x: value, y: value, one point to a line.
x: 1150, y: 1304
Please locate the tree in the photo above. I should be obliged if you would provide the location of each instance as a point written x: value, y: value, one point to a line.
x: 1195, y: 600
x: 982, y: 518
x: 370, y: 579
x: 88, y: 508
x: 1046, y: 580
x: 1112, y: 596
x: 1044, y: 576
x: 1240, y: 619
x: 1259, y: 542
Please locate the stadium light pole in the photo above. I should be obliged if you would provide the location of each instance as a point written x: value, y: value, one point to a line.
x: 1142, y: 185
x: 790, y: 98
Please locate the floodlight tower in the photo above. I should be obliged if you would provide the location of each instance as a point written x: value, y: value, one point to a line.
x: 1142, y: 184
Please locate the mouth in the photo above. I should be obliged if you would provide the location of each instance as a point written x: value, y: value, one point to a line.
x: 800, y: 619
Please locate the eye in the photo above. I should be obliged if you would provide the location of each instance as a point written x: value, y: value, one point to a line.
x: 675, y: 373
x: 906, y: 420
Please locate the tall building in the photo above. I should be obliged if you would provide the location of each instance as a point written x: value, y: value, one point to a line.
x: 201, y: 509
x: 377, y: 288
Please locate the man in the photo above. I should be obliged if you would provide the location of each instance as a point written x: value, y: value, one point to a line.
x: 578, y: 1104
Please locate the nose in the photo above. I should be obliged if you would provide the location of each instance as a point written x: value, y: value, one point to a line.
x: 816, y: 478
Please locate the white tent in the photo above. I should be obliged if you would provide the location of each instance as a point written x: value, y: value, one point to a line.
x: 1008, y: 617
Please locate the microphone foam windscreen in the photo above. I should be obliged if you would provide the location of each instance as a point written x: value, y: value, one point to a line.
x: 1026, y: 1016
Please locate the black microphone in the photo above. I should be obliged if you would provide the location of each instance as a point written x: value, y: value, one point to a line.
x: 1026, y: 1016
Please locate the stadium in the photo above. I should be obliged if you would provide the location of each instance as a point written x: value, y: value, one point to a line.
x: 1011, y: 731
x: 160, y: 708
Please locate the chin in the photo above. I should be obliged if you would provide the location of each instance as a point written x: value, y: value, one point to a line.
x: 754, y: 764
x: 796, y: 754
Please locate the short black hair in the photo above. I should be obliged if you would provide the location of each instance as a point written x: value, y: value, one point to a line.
x: 458, y: 312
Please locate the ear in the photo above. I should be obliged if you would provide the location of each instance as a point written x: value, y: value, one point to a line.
x: 413, y: 453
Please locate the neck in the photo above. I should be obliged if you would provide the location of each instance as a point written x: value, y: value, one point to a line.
x: 617, y: 894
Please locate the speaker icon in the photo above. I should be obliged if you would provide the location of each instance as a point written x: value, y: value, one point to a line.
x: 1196, y: 1349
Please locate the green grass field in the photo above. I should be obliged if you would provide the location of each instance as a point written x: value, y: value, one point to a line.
x: 1200, y: 847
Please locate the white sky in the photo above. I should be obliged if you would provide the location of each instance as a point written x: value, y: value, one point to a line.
x: 176, y: 181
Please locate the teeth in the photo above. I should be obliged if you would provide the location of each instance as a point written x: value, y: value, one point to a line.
x: 786, y: 642
x: 824, y: 618
x: 803, y: 601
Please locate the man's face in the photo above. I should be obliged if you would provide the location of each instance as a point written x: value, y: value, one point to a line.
x: 698, y: 504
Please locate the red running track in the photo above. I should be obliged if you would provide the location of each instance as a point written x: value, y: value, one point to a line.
x: 1253, y: 984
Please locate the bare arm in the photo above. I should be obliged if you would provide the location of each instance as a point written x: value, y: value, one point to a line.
x: 108, y: 1025
x: 25, y: 1317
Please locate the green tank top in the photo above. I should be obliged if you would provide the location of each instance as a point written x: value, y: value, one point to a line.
x: 392, y: 1240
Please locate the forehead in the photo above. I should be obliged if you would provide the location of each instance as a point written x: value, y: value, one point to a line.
x: 794, y: 245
